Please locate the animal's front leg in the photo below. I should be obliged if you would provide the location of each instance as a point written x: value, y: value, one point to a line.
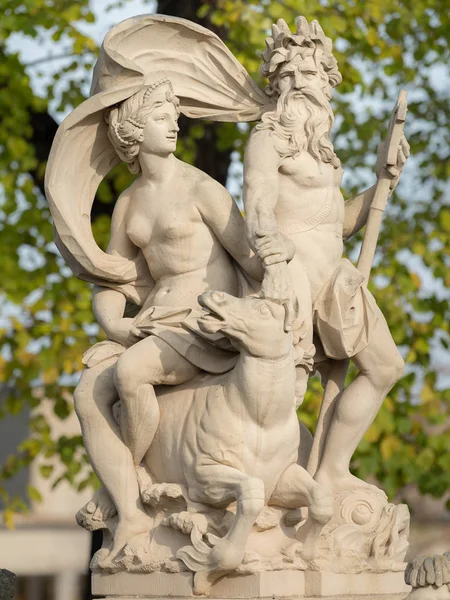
x: 297, y: 488
x: 218, y: 485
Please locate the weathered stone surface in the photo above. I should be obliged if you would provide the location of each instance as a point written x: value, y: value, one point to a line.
x: 188, y: 410
x: 259, y: 585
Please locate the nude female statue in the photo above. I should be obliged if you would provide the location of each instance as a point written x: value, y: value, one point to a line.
x: 189, y: 230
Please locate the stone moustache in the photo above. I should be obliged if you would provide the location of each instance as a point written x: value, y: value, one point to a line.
x: 214, y: 324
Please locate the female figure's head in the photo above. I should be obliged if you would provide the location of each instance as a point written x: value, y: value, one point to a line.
x: 145, y: 122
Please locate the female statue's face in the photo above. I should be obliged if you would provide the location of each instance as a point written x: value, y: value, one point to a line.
x: 161, y: 129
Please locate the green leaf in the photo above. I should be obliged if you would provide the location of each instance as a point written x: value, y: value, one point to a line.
x: 444, y: 219
x: 34, y: 494
x: 46, y: 470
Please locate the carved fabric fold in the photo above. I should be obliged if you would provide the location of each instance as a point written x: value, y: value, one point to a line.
x: 209, y: 82
x: 345, y: 313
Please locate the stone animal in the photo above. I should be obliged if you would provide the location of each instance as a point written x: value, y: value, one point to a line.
x: 235, y: 437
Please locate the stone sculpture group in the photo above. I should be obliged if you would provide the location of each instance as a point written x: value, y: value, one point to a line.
x: 215, y: 322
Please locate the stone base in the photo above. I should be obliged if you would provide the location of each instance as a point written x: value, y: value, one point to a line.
x: 268, y: 584
x: 383, y: 597
x: 339, y: 585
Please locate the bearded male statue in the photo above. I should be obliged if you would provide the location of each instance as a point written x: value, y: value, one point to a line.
x: 291, y: 185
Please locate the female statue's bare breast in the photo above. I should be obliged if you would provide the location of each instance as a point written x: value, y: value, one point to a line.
x: 181, y: 251
x: 162, y: 216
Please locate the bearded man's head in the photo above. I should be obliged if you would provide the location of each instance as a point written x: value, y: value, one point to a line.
x: 302, y: 72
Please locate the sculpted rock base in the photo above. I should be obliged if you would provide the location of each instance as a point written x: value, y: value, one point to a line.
x: 366, y: 534
x: 275, y: 584
x: 260, y: 585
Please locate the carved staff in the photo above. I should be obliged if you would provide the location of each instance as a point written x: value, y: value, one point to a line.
x: 335, y: 379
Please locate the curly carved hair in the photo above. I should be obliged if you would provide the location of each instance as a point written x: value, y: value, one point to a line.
x: 283, y: 45
x: 127, y: 121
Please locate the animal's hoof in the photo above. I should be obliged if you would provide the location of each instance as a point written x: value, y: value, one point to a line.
x: 204, y: 580
x: 209, y: 562
x: 321, y: 509
x: 100, y: 559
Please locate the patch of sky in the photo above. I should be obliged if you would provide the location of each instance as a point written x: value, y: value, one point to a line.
x: 430, y: 285
x: 235, y: 179
x: 67, y: 380
x: 44, y: 64
x: 35, y: 346
x: 8, y: 311
x: 33, y: 297
x: 91, y: 329
x: 6, y: 352
x: 30, y: 258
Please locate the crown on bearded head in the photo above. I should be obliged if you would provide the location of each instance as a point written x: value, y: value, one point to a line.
x: 283, y: 45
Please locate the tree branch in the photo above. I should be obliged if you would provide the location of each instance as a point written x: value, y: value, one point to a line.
x: 45, y: 59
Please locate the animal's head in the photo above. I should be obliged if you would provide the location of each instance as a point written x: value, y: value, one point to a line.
x: 252, y: 324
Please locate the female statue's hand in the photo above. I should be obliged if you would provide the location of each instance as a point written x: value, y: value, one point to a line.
x: 124, y: 332
x: 274, y: 247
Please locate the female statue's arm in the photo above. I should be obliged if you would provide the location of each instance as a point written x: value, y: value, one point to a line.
x: 220, y: 213
x: 109, y: 304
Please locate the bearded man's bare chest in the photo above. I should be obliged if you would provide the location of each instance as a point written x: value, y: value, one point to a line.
x: 308, y: 195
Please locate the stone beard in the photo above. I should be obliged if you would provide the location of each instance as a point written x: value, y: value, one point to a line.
x: 302, y: 121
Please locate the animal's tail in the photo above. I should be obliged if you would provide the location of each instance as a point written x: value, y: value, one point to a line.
x: 195, y: 557
x: 199, y: 558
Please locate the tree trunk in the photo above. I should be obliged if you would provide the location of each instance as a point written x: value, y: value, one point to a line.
x: 208, y: 158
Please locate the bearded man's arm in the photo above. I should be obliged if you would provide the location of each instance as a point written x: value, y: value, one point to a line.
x: 260, y: 192
x: 357, y: 208
x: 356, y: 212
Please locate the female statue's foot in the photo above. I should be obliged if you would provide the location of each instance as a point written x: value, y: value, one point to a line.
x: 128, y: 529
x: 97, y: 511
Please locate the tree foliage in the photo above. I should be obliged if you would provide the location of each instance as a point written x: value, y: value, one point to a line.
x: 381, y: 46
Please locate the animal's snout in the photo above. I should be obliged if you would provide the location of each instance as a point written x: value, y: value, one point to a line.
x: 217, y: 297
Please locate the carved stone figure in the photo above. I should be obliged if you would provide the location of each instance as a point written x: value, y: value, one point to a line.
x: 188, y: 410
x: 291, y: 185
x: 429, y: 577
x: 214, y: 464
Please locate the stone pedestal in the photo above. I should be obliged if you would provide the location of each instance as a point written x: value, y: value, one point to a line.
x: 371, y: 597
x: 365, y: 585
x: 268, y: 584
